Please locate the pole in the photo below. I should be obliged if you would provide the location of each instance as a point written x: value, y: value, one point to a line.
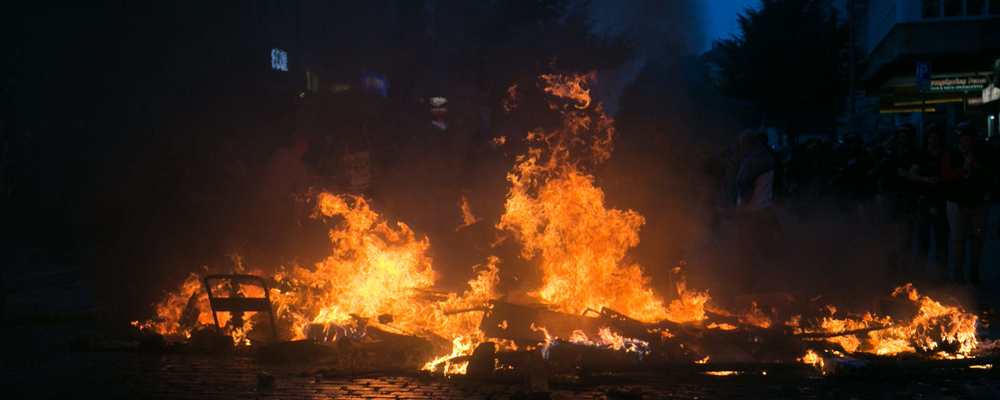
x: 923, y: 109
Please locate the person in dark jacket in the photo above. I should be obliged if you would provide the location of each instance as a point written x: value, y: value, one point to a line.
x: 966, y: 174
x: 926, y: 174
x: 758, y: 231
x: 898, y: 197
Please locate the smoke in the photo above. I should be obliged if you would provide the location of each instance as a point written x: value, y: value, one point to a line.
x: 659, y: 29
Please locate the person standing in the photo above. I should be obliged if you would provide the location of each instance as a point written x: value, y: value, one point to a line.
x: 281, y: 208
x: 965, y: 171
x: 758, y: 230
x: 898, y: 199
x: 926, y: 174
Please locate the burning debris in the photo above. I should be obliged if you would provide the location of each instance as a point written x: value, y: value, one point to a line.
x: 375, y: 292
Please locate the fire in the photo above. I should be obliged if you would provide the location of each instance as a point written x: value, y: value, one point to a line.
x: 379, y: 274
x: 180, y: 310
x: 467, y: 217
x: 813, y: 359
x: 756, y: 317
x: 608, y: 339
x: 510, y: 102
x: 549, y: 340
x: 571, y: 86
x: 934, y: 326
x: 375, y: 269
x: 559, y: 216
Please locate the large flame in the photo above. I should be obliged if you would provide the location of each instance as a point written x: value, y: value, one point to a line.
x: 379, y: 274
x: 559, y: 215
x: 375, y: 270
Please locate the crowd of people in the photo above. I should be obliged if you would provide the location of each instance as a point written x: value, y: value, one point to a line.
x: 915, y: 192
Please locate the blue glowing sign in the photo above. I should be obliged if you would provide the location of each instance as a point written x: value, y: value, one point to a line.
x: 279, y: 59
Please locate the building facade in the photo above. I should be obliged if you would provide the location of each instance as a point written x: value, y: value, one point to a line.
x: 956, y: 41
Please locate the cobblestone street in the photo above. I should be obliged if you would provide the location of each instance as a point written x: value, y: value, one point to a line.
x: 31, y: 370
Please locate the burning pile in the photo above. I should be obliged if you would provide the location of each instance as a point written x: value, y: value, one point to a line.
x: 379, y: 275
x: 935, y: 328
x: 558, y: 214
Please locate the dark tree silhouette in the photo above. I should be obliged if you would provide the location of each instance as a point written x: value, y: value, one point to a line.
x: 790, y: 61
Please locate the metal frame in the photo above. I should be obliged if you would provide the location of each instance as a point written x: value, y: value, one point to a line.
x: 240, y: 304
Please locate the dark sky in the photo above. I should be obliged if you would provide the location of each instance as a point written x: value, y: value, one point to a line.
x: 720, y: 18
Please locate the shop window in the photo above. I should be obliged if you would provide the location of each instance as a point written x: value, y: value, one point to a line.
x: 930, y: 8
x: 975, y: 7
x: 952, y: 8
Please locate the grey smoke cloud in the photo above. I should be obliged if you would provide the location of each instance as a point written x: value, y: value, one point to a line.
x: 658, y: 28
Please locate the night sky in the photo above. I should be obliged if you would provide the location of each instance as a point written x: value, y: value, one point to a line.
x: 720, y: 18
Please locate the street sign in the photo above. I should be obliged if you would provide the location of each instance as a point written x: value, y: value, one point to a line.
x: 923, y: 76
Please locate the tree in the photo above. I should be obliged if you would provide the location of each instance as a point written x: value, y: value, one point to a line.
x: 791, y: 62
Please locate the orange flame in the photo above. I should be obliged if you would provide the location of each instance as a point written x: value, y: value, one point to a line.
x: 375, y: 269
x: 559, y: 215
x: 467, y: 217
x: 934, y: 325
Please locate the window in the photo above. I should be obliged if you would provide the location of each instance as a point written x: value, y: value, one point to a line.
x: 930, y: 8
x: 975, y: 7
x: 995, y: 7
x: 952, y: 8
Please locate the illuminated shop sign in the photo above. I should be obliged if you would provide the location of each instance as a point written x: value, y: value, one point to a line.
x: 959, y: 84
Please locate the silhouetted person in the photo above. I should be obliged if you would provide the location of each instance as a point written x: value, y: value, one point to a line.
x: 965, y: 171
x: 898, y: 198
x: 285, y: 182
x: 758, y: 231
x: 854, y: 164
x: 711, y: 172
x: 931, y: 215
x: 779, y: 163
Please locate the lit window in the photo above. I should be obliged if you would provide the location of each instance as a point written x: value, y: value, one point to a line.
x: 952, y: 8
x: 279, y: 60
x: 930, y: 8
x: 975, y: 7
